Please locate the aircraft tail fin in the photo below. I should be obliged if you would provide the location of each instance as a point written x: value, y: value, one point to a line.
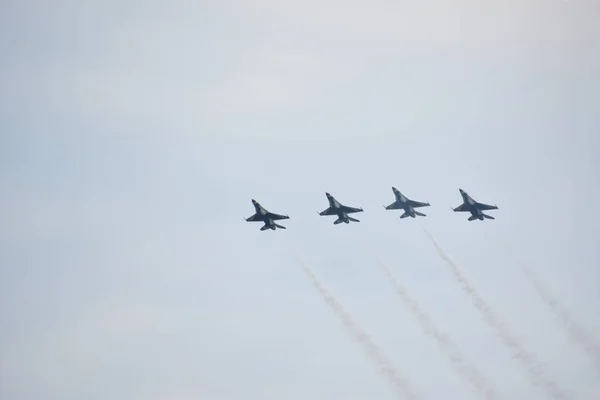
x: 420, y: 214
x: 353, y: 219
x: 487, y: 216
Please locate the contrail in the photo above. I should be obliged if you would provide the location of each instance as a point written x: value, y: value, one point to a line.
x: 401, y: 385
x: 467, y: 371
x: 577, y: 332
x: 528, y: 360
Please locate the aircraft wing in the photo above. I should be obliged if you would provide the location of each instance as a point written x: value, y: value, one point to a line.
x: 348, y: 210
x: 276, y: 217
x: 484, y: 207
x: 254, y: 218
x: 394, y: 206
x: 462, y: 207
x: 328, y: 211
x: 415, y: 204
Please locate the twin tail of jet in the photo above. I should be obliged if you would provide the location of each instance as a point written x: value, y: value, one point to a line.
x: 401, y: 202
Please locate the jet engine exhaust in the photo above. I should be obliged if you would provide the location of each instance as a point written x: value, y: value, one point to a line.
x: 468, y: 371
x: 527, y: 359
x: 400, y: 384
x: 577, y: 332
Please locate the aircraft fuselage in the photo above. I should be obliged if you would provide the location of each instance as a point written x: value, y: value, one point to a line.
x: 477, y: 213
x: 473, y: 209
x: 269, y: 224
x: 410, y: 211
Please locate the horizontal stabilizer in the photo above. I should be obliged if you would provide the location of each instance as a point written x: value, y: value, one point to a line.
x: 280, y: 226
x: 487, y: 216
x: 420, y: 214
x: 472, y: 218
x: 338, y: 221
x: 405, y: 215
x: 353, y: 219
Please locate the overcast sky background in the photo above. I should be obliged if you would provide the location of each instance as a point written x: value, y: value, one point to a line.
x: 135, y: 133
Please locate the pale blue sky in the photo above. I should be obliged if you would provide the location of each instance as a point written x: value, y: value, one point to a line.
x: 134, y: 134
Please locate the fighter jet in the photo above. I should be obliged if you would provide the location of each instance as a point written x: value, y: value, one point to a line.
x: 342, y: 211
x: 267, y: 217
x: 475, y: 208
x: 402, y: 202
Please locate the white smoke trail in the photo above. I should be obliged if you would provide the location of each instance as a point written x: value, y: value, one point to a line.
x: 527, y: 359
x: 466, y: 370
x: 400, y: 384
x: 577, y: 333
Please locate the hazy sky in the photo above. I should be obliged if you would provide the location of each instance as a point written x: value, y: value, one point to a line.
x: 133, y: 135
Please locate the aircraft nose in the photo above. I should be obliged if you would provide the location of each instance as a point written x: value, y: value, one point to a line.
x: 461, y: 191
x: 327, y: 194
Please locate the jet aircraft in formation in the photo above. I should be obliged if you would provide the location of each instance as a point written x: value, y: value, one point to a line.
x: 269, y: 218
x: 401, y: 203
x: 342, y: 211
x: 476, y: 209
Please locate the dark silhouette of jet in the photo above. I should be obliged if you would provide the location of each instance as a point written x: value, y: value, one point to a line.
x: 342, y: 211
x: 404, y: 203
x: 476, y: 209
x: 267, y: 217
